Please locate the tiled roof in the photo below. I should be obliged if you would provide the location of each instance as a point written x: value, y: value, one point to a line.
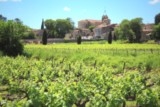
x: 104, y: 25
x: 90, y: 20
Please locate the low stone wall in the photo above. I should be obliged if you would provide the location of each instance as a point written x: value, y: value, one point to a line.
x: 57, y: 40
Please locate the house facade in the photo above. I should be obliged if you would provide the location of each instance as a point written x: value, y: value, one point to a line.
x: 101, y: 27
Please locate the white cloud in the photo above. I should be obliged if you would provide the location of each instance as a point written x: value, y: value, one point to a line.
x: 10, y: 0
x: 16, y: 0
x: 67, y: 9
x: 154, y: 1
x: 3, y: 0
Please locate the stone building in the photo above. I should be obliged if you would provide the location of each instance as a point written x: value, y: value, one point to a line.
x: 102, y: 30
x: 102, y: 27
x: 148, y: 28
x: 147, y: 31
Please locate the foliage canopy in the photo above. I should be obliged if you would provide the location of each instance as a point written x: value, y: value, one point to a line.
x: 130, y: 30
x: 157, y: 18
x: 59, y: 27
x: 10, y: 34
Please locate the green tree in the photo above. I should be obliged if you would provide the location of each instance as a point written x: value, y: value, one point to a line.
x: 136, y: 26
x: 124, y: 32
x: 156, y: 31
x: 59, y: 27
x: 3, y: 18
x: 157, y: 19
x: 18, y: 20
x: 29, y: 35
x: 10, y: 35
x: 130, y: 30
x: 79, y: 36
x: 44, y: 37
x: 71, y: 23
x: 63, y: 26
x: 115, y: 37
x: 50, y: 26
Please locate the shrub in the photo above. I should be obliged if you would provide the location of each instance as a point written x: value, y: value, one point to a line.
x: 11, y: 47
x: 114, y: 37
x: 10, y: 33
x: 29, y: 35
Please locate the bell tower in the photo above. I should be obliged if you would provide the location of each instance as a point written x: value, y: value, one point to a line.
x: 105, y: 19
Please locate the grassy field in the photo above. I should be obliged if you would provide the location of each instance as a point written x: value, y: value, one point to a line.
x: 93, y: 74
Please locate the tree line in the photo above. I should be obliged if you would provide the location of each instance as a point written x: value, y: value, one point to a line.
x: 131, y: 30
x: 58, y: 28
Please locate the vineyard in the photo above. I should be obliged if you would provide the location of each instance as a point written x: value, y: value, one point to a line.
x: 87, y: 75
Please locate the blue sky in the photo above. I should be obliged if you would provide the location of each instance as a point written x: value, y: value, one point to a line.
x: 31, y: 12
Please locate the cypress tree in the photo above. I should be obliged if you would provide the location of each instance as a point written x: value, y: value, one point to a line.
x: 42, y: 25
x: 79, y: 40
x: 110, y: 37
x: 44, y: 37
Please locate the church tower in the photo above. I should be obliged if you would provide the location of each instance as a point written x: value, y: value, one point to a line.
x: 105, y: 19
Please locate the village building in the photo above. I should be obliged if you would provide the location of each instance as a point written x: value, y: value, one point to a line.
x: 102, y: 30
x: 147, y: 31
x: 103, y: 27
